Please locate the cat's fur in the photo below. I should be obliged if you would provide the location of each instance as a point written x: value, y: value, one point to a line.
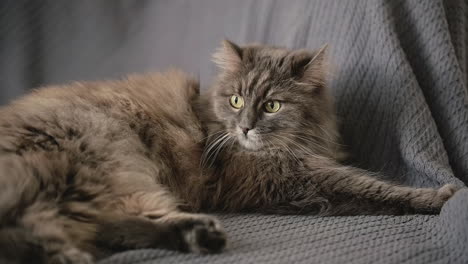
x: 103, y: 166
x: 91, y: 168
x: 289, y: 160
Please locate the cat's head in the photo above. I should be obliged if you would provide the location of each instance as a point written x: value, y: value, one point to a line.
x: 271, y: 97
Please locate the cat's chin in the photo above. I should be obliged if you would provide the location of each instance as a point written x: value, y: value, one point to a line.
x: 249, y: 144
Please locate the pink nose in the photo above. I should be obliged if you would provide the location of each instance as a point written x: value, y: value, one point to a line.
x: 245, y: 130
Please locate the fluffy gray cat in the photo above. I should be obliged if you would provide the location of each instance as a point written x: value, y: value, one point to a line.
x: 89, y: 169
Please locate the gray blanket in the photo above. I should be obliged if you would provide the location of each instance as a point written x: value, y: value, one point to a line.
x: 399, y: 78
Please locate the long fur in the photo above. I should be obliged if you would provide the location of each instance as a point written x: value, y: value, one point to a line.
x: 79, y: 160
x: 289, y: 162
x: 92, y: 168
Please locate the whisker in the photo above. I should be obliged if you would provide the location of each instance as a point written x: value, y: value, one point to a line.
x: 307, y: 151
x: 232, y: 144
x: 313, y: 142
x: 218, y: 149
x: 316, y: 137
x: 217, y: 142
x: 302, y: 148
x: 288, y: 149
x: 210, y: 146
x: 211, y: 135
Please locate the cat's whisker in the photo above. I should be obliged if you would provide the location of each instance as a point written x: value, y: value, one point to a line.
x: 261, y: 142
x: 288, y: 149
x: 317, y: 137
x: 209, y: 154
x: 211, y: 135
x: 311, y: 140
x: 307, y: 151
x: 218, y: 149
x: 210, y: 146
x: 232, y: 144
x: 285, y: 143
x: 270, y: 144
x: 328, y: 134
x: 302, y: 148
x: 214, y: 148
x: 323, y: 130
x: 314, y: 143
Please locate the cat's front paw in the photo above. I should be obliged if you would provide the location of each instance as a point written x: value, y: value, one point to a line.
x: 446, y: 192
x: 202, y: 234
x: 71, y: 256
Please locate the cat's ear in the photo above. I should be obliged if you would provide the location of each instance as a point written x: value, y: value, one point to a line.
x: 228, y: 56
x: 311, y: 67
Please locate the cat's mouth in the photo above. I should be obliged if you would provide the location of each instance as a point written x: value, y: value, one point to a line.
x: 251, y: 141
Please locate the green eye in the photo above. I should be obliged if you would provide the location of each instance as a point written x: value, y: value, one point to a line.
x: 272, y: 106
x: 236, y: 101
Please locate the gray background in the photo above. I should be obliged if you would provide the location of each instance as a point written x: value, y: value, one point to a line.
x: 399, y: 79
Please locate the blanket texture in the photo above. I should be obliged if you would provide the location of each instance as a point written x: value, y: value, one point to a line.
x: 399, y: 78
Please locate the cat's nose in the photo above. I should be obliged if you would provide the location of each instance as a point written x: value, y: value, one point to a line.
x: 245, y: 130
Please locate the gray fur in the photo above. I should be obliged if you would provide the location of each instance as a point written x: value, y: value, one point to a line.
x: 290, y: 163
x: 99, y: 167
x: 89, y: 169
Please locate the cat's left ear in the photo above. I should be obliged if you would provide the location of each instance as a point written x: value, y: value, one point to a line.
x: 229, y: 56
x: 311, y: 67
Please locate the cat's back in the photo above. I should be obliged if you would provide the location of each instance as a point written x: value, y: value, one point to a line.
x: 167, y: 92
x: 104, y: 109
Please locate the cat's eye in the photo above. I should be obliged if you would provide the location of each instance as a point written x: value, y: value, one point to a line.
x: 272, y: 106
x: 236, y: 101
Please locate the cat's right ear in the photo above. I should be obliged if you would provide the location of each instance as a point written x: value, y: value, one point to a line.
x: 229, y: 56
x: 311, y: 68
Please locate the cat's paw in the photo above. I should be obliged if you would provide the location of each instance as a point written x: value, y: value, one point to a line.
x: 446, y: 192
x: 202, y: 234
x: 71, y: 256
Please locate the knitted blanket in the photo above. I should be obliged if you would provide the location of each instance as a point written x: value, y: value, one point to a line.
x: 399, y: 78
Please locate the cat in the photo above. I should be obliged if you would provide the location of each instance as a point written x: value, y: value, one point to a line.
x: 273, y: 143
x: 88, y: 169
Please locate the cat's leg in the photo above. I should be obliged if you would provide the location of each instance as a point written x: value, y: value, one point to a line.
x: 351, y: 190
x: 45, y: 229
x: 154, y: 211
x: 176, y: 231
x: 202, y: 233
x: 319, y: 186
x: 31, y: 227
